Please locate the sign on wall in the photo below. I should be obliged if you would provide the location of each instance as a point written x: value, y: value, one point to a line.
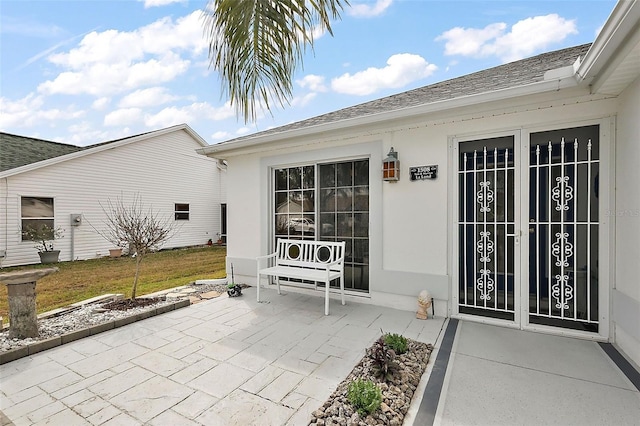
x: 423, y: 172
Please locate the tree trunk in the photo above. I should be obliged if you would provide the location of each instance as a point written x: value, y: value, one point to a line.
x: 135, y: 280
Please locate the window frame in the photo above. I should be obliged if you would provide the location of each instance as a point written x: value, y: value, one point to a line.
x: 181, y: 214
x: 314, y: 216
x: 48, y: 220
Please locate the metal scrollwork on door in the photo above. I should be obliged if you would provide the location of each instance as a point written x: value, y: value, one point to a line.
x: 562, y: 249
x: 562, y: 282
x: 485, y: 283
x: 561, y: 290
x: 562, y: 193
x: 485, y: 196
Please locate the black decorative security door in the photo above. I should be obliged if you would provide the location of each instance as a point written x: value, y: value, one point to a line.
x: 563, y: 228
x: 486, y: 228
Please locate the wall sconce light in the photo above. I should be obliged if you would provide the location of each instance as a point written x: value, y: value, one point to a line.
x: 391, y: 167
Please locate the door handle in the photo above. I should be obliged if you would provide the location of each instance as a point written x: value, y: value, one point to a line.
x: 516, y: 235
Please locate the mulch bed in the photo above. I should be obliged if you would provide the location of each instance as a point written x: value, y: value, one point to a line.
x: 125, y: 304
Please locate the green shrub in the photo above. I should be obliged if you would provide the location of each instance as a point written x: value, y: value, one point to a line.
x: 396, y: 342
x: 365, y: 396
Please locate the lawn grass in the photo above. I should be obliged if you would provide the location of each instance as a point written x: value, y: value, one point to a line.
x: 84, y: 279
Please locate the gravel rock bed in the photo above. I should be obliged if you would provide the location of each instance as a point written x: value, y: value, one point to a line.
x: 88, y: 315
x: 396, y: 393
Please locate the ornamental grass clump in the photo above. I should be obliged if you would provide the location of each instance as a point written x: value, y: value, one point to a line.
x: 396, y: 342
x: 365, y: 396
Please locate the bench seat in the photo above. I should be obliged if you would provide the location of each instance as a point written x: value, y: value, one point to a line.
x: 317, y: 261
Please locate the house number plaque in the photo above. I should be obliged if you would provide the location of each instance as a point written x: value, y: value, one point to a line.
x: 423, y: 172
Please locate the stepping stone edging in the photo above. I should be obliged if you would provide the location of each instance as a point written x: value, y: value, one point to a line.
x: 53, y: 342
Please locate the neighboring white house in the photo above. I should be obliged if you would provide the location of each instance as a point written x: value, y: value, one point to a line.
x: 54, y: 183
x: 517, y: 228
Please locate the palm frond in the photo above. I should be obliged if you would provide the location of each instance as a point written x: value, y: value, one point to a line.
x: 256, y: 46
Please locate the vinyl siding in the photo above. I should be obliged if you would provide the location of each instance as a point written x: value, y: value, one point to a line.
x: 163, y: 170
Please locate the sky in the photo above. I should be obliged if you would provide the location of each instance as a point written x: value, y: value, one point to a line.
x: 89, y: 71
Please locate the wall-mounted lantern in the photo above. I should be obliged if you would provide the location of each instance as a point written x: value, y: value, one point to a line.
x: 391, y: 167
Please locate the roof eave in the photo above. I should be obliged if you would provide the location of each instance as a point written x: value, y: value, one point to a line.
x: 459, y: 102
x: 608, y: 47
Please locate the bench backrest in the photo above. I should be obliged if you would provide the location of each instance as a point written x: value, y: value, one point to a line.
x: 310, y: 254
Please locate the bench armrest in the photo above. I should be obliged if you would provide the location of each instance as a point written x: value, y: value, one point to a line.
x: 337, y: 262
x: 259, y: 258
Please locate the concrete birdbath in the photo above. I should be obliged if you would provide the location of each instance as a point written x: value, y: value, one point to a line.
x: 21, y: 289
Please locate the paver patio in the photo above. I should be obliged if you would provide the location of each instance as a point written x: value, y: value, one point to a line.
x: 227, y: 361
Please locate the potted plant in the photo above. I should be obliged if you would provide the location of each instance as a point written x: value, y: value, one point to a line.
x: 233, y: 289
x: 43, y: 237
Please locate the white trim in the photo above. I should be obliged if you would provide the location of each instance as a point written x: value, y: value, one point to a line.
x: 604, y: 54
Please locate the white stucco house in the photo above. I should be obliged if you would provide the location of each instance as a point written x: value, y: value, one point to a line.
x: 64, y: 186
x: 532, y: 220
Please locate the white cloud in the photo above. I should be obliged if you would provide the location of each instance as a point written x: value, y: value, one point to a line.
x: 365, y: 10
x: 243, y: 131
x: 109, y: 62
x: 401, y: 69
x: 300, y: 101
x: 155, y: 3
x: 147, y: 97
x: 315, y: 83
x: 101, y: 103
x: 28, y: 112
x: 168, y: 117
x: 187, y: 114
x: 84, y: 134
x: 123, y: 117
x: 525, y: 38
x: 469, y: 41
x: 220, y: 135
x: 109, y: 79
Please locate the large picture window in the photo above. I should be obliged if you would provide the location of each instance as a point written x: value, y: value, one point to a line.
x: 36, y: 212
x: 341, y: 214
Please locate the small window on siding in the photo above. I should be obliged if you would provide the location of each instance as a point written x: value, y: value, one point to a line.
x: 182, y: 211
x: 36, y: 212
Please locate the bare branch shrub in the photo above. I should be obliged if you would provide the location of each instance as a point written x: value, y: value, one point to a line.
x: 136, y: 228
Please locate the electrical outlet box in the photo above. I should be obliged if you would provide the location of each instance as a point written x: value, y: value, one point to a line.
x: 76, y: 219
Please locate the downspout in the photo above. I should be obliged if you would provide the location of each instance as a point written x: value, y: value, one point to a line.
x: 6, y: 219
x: 73, y: 239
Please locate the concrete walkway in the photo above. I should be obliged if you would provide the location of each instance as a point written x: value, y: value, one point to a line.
x: 502, y: 376
x: 226, y: 361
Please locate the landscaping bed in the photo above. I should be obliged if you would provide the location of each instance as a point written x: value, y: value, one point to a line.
x: 396, y: 390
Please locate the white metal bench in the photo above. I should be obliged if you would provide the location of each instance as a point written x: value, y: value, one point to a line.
x: 318, y: 261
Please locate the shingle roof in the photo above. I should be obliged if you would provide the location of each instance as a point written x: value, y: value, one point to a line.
x: 514, y: 74
x: 17, y: 151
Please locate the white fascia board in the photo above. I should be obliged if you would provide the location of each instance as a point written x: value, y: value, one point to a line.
x: 103, y: 147
x: 622, y: 21
x: 463, y: 101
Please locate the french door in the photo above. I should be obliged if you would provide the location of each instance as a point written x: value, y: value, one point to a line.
x: 542, y: 270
